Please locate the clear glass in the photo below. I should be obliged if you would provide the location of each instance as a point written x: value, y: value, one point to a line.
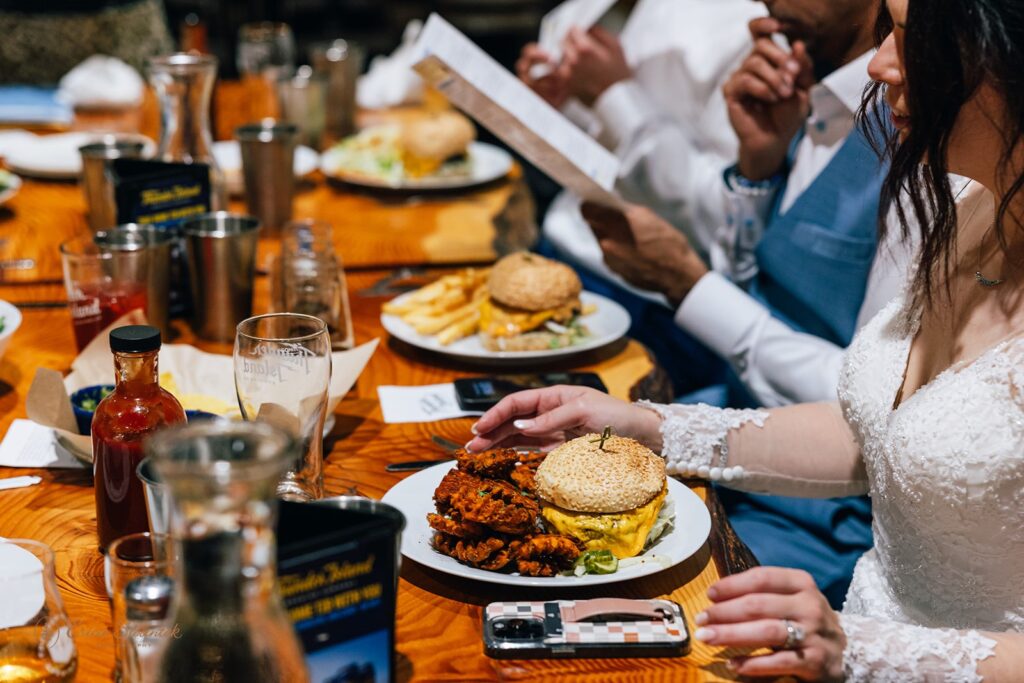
x: 265, y: 49
x: 184, y: 86
x: 102, y: 286
x: 136, y: 408
x: 302, y: 101
x: 230, y: 620
x: 129, y: 558
x: 282, y: 375
x: 312, y: 280
x: 340, y: 62
x: 36, y: 644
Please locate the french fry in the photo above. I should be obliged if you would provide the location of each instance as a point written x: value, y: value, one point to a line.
x: 438, y: 323
x: 457, y: 330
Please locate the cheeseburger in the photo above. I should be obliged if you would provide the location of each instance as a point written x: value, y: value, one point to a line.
x: 436, y: 144
x: 605, y: 492
x: 532, y: 306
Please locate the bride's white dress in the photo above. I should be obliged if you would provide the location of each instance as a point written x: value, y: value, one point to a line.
x: 945, y: 471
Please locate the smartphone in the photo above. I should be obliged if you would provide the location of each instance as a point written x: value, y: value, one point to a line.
x: 481, y: 393
x: 605, y: 627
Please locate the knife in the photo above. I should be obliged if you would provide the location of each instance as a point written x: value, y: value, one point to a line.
x: 412, y: 465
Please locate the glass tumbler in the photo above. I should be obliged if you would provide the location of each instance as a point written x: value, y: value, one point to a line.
x: 35, y: 633
x: 282, y: 375
x: 265, y: 48
x: 129, y: 558
x: 102, y: 286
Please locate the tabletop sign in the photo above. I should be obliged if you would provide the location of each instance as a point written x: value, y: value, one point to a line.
x: 338, y: 576
x: 159, y: 193
x: 479, y: 86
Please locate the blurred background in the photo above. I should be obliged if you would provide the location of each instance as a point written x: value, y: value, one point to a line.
x: 501, y: 27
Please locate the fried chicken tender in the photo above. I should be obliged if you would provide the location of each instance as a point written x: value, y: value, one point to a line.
x: 546, y: 555
x: 459, y: 528
x: 486, y: 553
x: 497, y: 505
x: 492, y: 464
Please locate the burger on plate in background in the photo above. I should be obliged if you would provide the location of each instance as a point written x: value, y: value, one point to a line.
x: 534, y: 305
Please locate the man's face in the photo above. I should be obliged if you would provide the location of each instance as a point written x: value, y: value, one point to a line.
x: 824, y: 25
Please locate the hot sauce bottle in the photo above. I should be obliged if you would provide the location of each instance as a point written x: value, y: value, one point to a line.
x: 135, y: 409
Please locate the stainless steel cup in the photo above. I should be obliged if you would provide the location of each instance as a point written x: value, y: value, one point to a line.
x: 158, y: 498
x: 268, y: 161
x: 368, y: 506
x: 340, y: 62
x: 148, y: 252
x: 221, y: 251
x: 96, y: 182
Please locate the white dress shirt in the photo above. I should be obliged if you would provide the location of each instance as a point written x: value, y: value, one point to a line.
x: 778, y: 364
x: 668, y: 124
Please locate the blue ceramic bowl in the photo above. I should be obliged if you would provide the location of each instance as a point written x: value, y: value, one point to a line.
x: 84, y: 402
x: 200, y: 415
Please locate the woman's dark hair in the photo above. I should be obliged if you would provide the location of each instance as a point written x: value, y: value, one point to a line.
x: 951, y: 47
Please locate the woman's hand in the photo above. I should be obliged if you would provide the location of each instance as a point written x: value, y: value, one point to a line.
x: 545, y: 418
x: 553, y: 88
x: 750, y: 611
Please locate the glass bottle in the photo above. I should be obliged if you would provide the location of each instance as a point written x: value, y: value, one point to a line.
x: 184, y: 86
x: 230, y: 621
x: 135, y: 409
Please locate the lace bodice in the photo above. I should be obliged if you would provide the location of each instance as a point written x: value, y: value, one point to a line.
x: 945, y: 470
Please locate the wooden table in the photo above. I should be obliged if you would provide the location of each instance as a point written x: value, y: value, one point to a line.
x: 438, y: 617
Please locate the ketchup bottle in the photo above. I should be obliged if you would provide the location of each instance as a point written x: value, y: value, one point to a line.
x: 135, y: 409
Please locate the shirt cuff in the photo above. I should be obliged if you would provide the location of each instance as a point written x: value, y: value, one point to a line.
x: 622, y: 109
x: 723, y: 317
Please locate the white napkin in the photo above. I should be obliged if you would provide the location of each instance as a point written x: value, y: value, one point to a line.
x: 28, y: 444
x: 429, y: 403
x: 101, y: 81
x: 390, y: 81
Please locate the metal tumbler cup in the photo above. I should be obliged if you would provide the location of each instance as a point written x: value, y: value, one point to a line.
x: 99, y: 191
x: 148, y: 250
x: 222, y: 262
x: 268, y: 160
x: 340, y: 62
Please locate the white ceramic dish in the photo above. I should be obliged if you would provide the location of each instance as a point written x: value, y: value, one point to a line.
x: 414, y: 496
x: 229, y: 158
x: 56, y: 157
x: 487, y: 163
x: 12, y: 321
x: 11, y: 184
x: 607, y: 324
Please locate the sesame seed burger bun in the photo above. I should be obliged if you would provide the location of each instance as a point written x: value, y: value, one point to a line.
x: 581, y: 477
x: 533, y: 283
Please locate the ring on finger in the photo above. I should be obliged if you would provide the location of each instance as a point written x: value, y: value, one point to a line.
x: 794, y: 635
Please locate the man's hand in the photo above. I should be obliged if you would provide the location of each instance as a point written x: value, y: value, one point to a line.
x: 592, y: 62
x: 553, y: 87
x: 645, y: 250
x: 768, y: 100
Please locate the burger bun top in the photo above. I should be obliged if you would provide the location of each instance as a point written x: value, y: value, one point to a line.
x: 533, y: 283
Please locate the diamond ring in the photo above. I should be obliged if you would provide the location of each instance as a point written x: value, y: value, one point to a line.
x: 794, y: 635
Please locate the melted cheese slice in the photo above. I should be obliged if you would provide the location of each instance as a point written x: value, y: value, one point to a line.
x: 623, y: 533
x: 501, y: 321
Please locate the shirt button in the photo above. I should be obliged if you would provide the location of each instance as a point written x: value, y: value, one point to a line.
x: 821, y: 126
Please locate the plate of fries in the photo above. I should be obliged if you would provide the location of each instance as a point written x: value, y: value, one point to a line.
x: 444, y: 317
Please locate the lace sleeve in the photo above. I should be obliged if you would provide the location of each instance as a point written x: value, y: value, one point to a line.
x: 803, y: 451
x: 891, y: 652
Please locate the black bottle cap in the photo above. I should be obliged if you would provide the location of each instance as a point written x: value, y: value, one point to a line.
x: 134, y: 339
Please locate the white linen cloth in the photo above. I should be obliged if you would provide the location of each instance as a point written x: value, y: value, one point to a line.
x: 390, y: 80
x: 101, y: 81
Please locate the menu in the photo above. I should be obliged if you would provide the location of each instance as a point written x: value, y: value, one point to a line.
x: 338, y: 577
x: 159, y: 193
x: 474, y: 82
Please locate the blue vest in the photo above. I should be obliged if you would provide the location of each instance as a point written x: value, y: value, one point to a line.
x: 814, y: 260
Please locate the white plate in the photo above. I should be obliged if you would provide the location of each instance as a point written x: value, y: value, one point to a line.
x: 229, y: 158
x: 56, y: 157
x: 607, y: 324
x: 21, y: 574
x: 486, y: 164
x: 12, y: 184
x: 414, y: 496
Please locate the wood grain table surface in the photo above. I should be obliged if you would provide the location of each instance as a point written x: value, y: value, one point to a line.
x: 438, y: 629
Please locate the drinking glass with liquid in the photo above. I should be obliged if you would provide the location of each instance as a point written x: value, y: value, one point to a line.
x: 136, y: 408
